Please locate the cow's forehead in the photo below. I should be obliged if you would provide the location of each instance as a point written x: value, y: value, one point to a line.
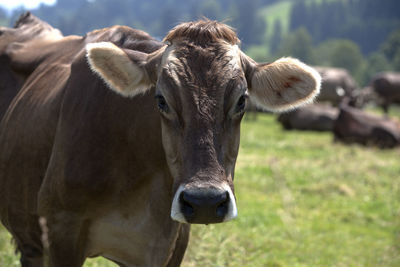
x: 206, y: 67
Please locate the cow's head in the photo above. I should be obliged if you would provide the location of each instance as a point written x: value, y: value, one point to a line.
x: 203, y: 82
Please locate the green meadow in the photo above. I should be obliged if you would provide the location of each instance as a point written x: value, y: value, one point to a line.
x: 303, y: 200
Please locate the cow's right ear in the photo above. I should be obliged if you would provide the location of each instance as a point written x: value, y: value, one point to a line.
x: 124, y: 71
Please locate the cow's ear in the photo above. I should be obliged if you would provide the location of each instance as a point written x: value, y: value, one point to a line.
x: 124, y: 71
x: 282, y: 85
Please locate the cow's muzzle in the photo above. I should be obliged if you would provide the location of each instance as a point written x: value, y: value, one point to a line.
x: 204, y: 205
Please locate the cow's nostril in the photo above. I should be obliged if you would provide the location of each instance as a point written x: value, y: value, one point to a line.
x: 186, y: 208
x: 222, y: 208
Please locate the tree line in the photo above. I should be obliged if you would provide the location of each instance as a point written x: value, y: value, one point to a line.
x: 366, y: 22
x: 362, y: 36
x: 156, y: 17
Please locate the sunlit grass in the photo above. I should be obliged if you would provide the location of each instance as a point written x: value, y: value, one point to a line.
x: 303, y: 200
x: 7, y: 257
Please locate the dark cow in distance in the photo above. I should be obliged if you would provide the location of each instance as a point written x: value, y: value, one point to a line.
x: 118, y: 142
x: 386, y: 87
x: 314, y: 117
x: 336, y: 84
x: 357, y: 126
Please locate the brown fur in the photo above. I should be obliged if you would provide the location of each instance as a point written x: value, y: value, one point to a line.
x: 337, y: 83
x: 357, y: 126
x: 386, y: 86
x: 204, y: 32
x: 314, y: 117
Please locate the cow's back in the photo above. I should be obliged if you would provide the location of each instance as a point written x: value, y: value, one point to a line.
x: 336, y: 83
x: 357, y: 126
x: 27, y: 29
x: 387, y: 85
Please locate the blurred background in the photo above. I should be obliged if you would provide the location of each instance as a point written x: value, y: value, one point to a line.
x: 304, y: 199
x: 362, y: 36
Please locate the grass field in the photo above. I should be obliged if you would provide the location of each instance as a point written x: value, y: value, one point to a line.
x: 303, y: 200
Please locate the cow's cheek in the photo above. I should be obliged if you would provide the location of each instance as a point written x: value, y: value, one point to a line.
x: 230, y: 150
x: 172, y: 143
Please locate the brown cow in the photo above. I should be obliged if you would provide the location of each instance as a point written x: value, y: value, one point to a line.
x: 336, y: 84
x: 10, y: 80
x: 357, y: 126
x: 120, y: 141
x: 386, y: 86
x: 314, y: 117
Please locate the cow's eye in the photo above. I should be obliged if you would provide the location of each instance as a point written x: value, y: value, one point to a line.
x: 162, y: 103
x: 241, y: 104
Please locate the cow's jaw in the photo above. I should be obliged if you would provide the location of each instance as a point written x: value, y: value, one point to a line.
x: 203, y: 205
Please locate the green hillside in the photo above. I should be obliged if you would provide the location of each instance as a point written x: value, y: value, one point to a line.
x: 279, y: 11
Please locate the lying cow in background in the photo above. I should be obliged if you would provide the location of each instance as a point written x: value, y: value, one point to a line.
x: 356, y: 126
x: 386, y: 86
x: 336, y: 84
x: 120, y: 142
x: 314, y: 117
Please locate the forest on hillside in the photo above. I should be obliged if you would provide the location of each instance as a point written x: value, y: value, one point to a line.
x: 362, y: 36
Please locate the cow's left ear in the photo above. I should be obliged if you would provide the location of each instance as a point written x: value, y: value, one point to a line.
x: 282, y: 85
x: 124, y: 71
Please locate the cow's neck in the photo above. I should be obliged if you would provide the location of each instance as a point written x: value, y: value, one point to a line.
x: 140, y: 214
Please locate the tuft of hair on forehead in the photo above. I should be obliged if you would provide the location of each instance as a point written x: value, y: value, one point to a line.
x: 203, y: 31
